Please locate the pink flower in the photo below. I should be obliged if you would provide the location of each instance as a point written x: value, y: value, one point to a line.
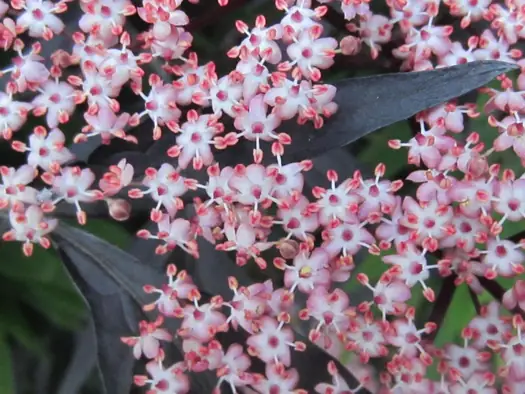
x: 312, y: 53
x: 489, y: 326
x: 412, y: 267
x: 73, y: 186
x: 225, y: 95
x: 195, y: 140
x: 503, y: 258
x: 262, y: 40
x: 56, y: 101
x: 173, y: 233
x: 30, y: 226
x: 161, y: 105
x: 329, y: 309
x: 202, y: 322
x: 173, y: 45
x: 374, y: 30
x: 147, y: 343
x: 233, y: 367
x: 367, y: 338
x: 13, y: 114
x: 271, y: 342
x: 296, y: 219
x: 277, y: 378
x: 106, y: 124
x: 105, y: 17
x: 116, y: 178
x: 38, y: 17
x: 347, y: 238
x: 390, y: 294
x: 308, y: 271
x: 515, y: 297
x: 512, y: 135
x: 255, y: 124
x: 98, y: 89
x: 29, y: 72
x: 14, y: 188
x: 7, y: 32
x: 165, y: 186
x: 251, y: 184
x: 122, y: 65
x: 300, y: 17
x: 164, y: 380
x: 162, y: 16
x: 430, y: 39
x: 476, y: 382
x: 495, y: 49
x: 47, y: 151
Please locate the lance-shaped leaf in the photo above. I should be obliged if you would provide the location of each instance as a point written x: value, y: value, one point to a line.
x: 111, y: 281
x: 367, y: 104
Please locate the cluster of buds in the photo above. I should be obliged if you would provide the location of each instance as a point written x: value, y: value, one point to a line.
x: 452, y: 226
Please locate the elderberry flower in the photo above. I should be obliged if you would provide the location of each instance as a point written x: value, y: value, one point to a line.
x: 30, y: 226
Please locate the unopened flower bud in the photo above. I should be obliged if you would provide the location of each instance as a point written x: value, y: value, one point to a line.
x: 119, y: 209
x: 288, y: 249
x: 350, y: 45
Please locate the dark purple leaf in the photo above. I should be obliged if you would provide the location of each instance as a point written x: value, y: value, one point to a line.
x: 111, y: 281
x: 82, y: 361
x: 367, y: 104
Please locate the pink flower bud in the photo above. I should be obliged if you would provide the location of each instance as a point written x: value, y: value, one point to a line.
x: 119, y: 209
x: 289, y: 249
x: 350, y: 45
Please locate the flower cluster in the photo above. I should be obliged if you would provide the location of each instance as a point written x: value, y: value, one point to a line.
x: 451, y: 227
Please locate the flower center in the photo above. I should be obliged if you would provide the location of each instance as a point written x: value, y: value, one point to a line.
x: 293, y: 224
x: 464, y: 362
x: 280, y: 179
x: 72, y: 192
x: 429, y: 223
x: 465, y: 227
x: 222, y: 95
x: 196, y: 137
x: 328, y: 317
x: 334, y: 200
x: 501, y: 251
x: 95, y: 90
x: 105, y: 11
x: 374, y: 191
x: 38, y: 14
x: 307, y: 53
x: 218, y: 192
x: 198, y: 315
x: 54, y: 98
x: 257, y: 128
x: 256, y: 192
x: 347, y: 235
x: 162, y: 385
x: 273, y: 341
x: 492, y: 329
x: 274, y: 389
x: 367, y: 336
x: 151, y: 106
x: 416, y: 268
x: 297, y: 17
x: 514, y: 204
